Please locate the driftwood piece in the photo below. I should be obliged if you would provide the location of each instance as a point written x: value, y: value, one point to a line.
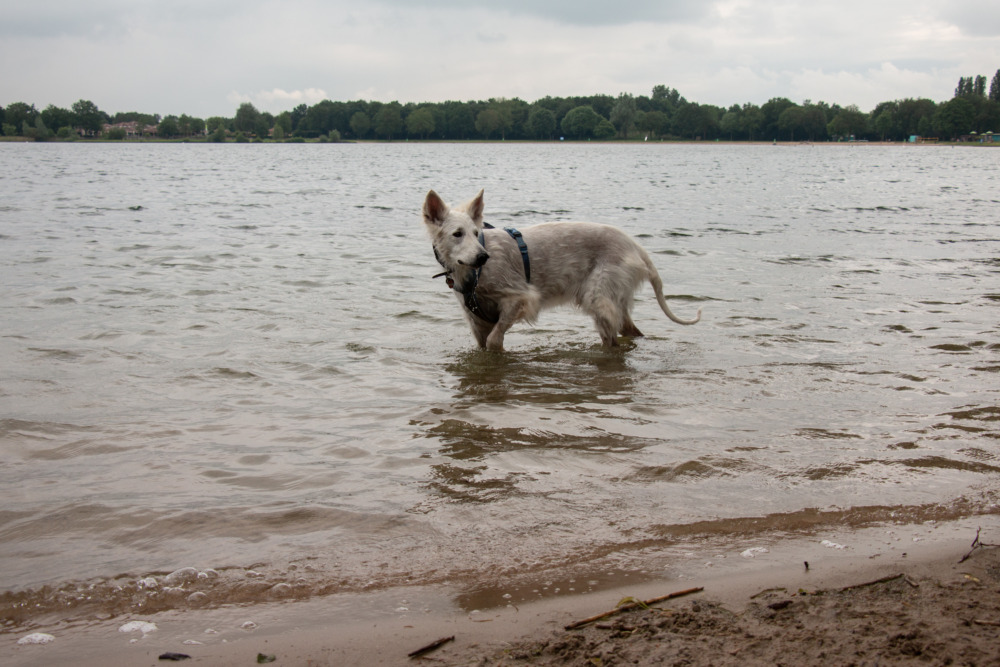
x: 976, y: 544
x: 430, y: 647
x: 633, y: 605
x: 883, y: 580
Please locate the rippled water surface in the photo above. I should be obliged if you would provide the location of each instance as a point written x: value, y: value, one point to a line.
x: 234, y: 359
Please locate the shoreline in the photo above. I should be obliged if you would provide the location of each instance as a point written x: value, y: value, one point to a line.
x: 383, y: 627
x: 525, y: 142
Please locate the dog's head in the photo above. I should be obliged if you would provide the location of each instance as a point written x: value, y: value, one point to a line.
x: 455, y: 231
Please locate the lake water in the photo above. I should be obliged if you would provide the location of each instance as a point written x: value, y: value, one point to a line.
x: 231, y: 361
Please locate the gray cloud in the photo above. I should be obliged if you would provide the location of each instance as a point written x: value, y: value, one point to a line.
x: 575, y: 12
x: 199, y: 56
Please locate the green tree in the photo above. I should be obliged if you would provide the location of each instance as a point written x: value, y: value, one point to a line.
x: 58, y: 117
x: 814, y: 121
x: 319, y: 119
x: 604, y: 130
x: 284, y: 121
x: 246, y: 118
x: 360, y: 124
x: 994, y: 95
x: 655, y: 123
x: 42, y: 133
x: 262, y: 128
x: 579, y: 122
x: 751, y: 120
x: 791, y: 120
x: 213, y: 123
x: 666, y: 99
x: 695, y: 121
x: 883, y: 123
x: 89, y: 117
x: 911, y: 114
x: 420, y: 122
x: 389, y: 121
x: 168, y: 128
x: 849, y: 122
x: 459, y: 122
x: 189, y: 126
x: 623, y: 114
x: 297, y: 114
x: 954, y: 117
x: 730, y: 123
x: 542, y: 123
x: 979, y: 86
x: 19, y: 113
x: 504, y: 109
x: 488, y: 121
x: 771, y: 112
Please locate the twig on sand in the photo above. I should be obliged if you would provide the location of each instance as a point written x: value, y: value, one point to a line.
x: 633, y: 605
x: 976, y: 544
x: 430, y: 647
x: 883, y: 580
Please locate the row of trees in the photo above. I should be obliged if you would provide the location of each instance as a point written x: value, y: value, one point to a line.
x: 664, y: 114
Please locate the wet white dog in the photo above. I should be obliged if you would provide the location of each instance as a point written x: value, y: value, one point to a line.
x: 501, y: 280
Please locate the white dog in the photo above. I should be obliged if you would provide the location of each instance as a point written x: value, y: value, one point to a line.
x: 500, y: 281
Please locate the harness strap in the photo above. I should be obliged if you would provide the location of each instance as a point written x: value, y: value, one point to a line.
x: 523, y: 247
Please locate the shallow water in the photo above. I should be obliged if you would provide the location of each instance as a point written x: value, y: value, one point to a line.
x: 234, y: 359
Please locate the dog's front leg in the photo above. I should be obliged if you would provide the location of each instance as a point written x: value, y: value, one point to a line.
x: 494, y: 342
x: 510, y: 312
x: 481, y: 330
x: 508, y: 316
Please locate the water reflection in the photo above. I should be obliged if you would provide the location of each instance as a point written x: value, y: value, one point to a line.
x: 510, y: 410
x: 573, y: 375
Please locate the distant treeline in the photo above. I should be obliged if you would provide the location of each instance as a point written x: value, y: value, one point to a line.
x: 664, y: 114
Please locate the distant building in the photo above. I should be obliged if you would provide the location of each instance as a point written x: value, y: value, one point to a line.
x: 132, y: 129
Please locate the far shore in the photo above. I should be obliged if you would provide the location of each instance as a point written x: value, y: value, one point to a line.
x: 612, y: 142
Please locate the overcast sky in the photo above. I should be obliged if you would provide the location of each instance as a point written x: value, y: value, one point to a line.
x: 205, y: 57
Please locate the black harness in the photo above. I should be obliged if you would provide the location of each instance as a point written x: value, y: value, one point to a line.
x: 485, y: 311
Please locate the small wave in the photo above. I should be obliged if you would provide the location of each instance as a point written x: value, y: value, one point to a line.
x: 307, y: 284
x: 689, y: 470
x: 55, y: 353
x: 232, y: 373
x: 826, y: 434
x: 942, y: 462
x: 952, y: 347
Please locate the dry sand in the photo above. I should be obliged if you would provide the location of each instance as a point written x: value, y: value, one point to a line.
x: 929, y: 609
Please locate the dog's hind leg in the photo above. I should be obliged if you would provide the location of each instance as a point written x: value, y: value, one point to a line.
x: 607, y: 318
x: 629, y: 329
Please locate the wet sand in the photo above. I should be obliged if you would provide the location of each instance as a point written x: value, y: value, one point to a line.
x: 769, y: 609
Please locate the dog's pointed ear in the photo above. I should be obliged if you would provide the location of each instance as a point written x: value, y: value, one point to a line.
x: 435, y: 210
x: 475, y: 209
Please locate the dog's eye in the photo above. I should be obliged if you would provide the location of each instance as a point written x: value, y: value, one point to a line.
x: 458, y: 234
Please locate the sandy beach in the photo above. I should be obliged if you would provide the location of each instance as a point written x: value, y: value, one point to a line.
x: 892, y: 594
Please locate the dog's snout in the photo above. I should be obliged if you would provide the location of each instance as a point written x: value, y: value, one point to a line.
x: 481, y: 259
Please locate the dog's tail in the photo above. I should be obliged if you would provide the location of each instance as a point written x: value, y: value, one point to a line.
x: 654, y: 280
